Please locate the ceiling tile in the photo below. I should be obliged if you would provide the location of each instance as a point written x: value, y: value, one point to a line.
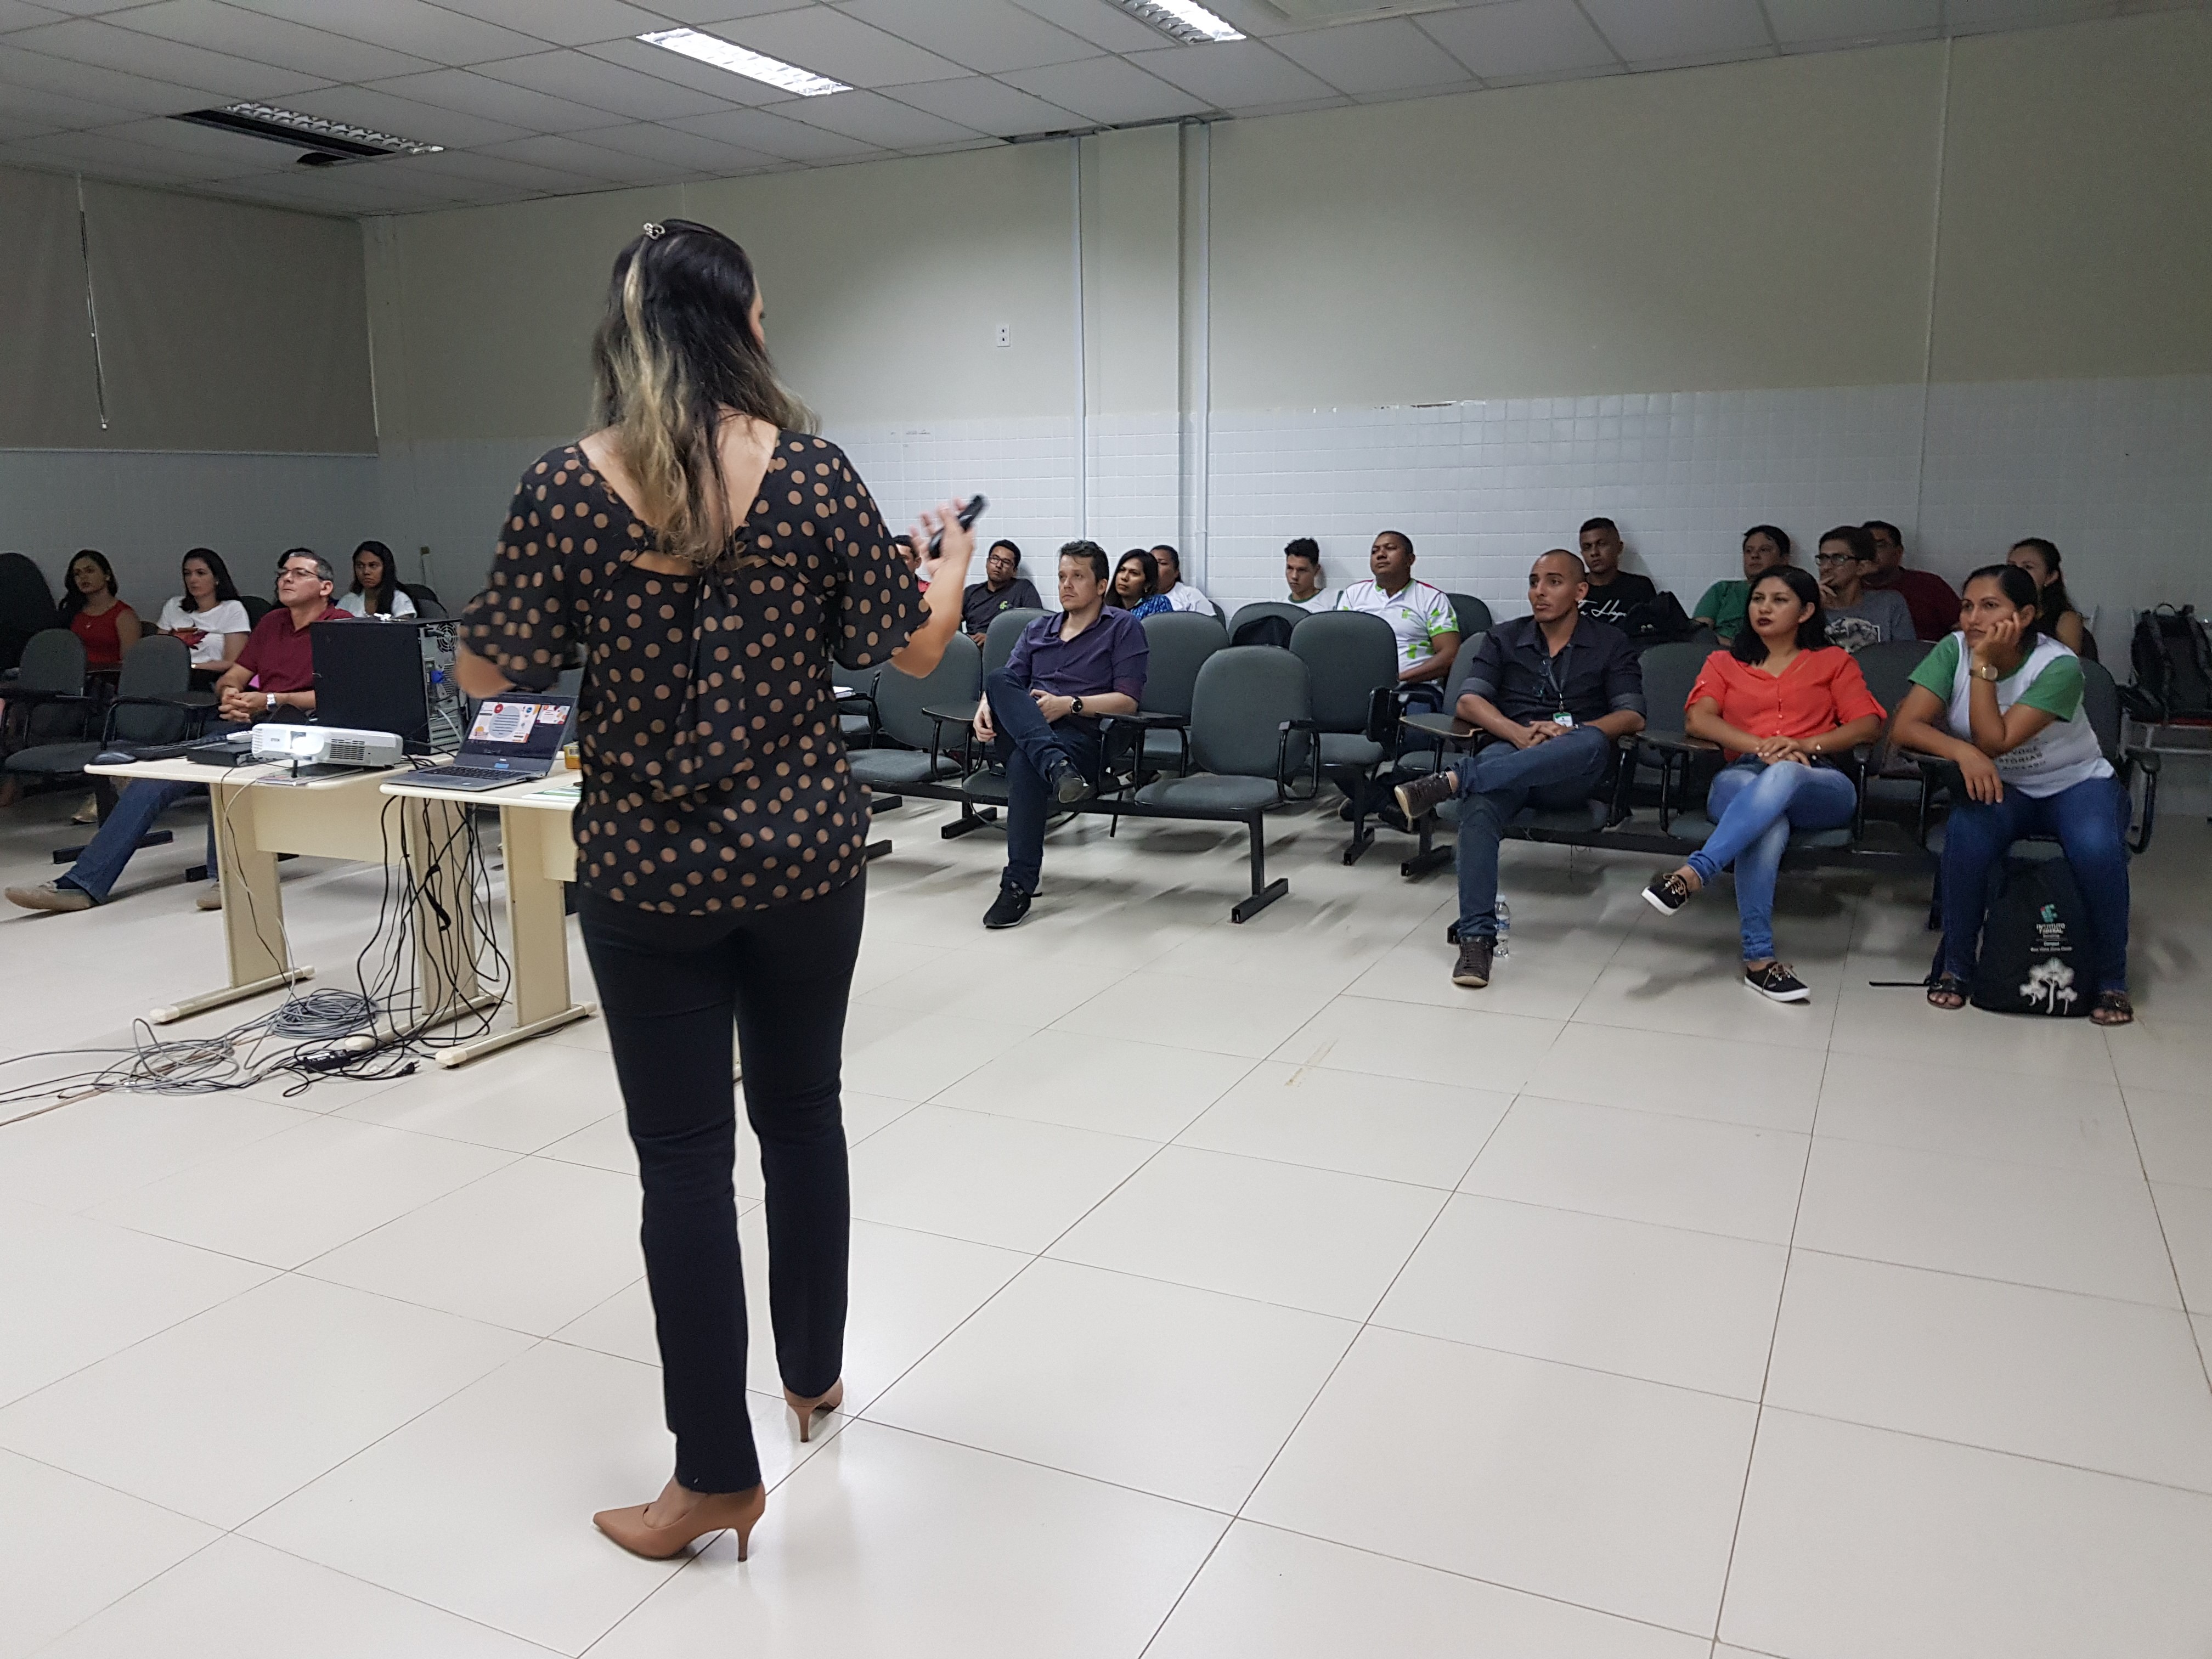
x: 1096, y: 21
x: 603, y: 85
x: 717, y: 84
x: 403, y: 118
x: 563, y: 22
x: 580, y: 157
x: 1364, y: 58
x: 1519, y: 39
x: 379, y: 186
x: 464, y: 168
x: 409, y: 25
x: 1682, y: 29
x: 87, y: 40
x: 50, y: 110
x: 988, y: 35
x: 1969, y: 16
x: 1107, y: 90
x: 467, y: 93
x: 829, y: 43
x: 21, y: 15
x: 113, y: 87
x: 267, y: 40
x: 690, y: 150
x: 706, y: 13
x: 1803, y: 22
x: 1233, y: 74
x: 875, y: 119
x: 990, y: 106
x: 103, y: 152
x: 795, y: 140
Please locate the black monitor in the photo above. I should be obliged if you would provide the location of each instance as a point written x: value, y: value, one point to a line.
x: 368, y: 674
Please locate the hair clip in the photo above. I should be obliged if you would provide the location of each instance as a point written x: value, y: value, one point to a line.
x: 656, y: 231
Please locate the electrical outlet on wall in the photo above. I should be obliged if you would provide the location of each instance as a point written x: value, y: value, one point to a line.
x: 1005, y: 335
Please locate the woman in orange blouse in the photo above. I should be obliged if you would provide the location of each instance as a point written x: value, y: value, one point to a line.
x: 1780, y: 700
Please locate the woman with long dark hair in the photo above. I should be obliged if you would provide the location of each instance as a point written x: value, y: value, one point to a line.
x: 1781, y: 702
x: 376, y: 591
x: 1136, y: 587
x: 2003, y: 701
x: 2055, y: 612
x: 711, y: 559
x: 208, y: 617
x: 92, y: 608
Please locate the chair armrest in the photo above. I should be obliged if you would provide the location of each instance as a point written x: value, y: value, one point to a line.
x: 1437, y: 724
x: 1147, y: 720
x: 17, y: 694
x: 1678, y: 743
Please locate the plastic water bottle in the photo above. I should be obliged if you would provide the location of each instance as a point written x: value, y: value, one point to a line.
x: 1505, y: 947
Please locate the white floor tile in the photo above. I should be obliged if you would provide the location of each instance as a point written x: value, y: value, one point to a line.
x: 995, y: 1180
x: 2185, y: 1215
x: 530, y: 1247
x: 96, y: 1288
x: 925, y: 1053
x: 1978, y: 1113
x: 1301, y: 1237
x: 1462, y: 1047
x: 1115, y: 1085
x: 1666, y: 1071
x: 240, y: 1600
x: 892, y: 1543
x: 221, y: 1416
x: 1536, y: 977
x: 2057, y: 1228
x: 1693, y: 1309
x: 2174, y: 1130
x: 1402, y: 1130
x: 483, y: 1507
x: 1265, y: 1592
x: 2114, y: 1386
x: 1180, y: 1392
x: 2162, y: 1054
x: 1703, y: 994
x: 526, y: 1098
x: 1899, y: 1024
x: 1613, y: 1493
x: 1246, y: 1017
x: 1643, y: 1166
x: 1856, y: 1542
x: 73, y: 1547
x: 72, y: 1157
x: 291, y: 1196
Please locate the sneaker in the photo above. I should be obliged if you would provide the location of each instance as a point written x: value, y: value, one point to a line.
x: 212, y: 898
x: 1068, y: 787
x: 51, y: 896
x: 1777, y: 983
x: 87, y: 813
x: 1474, y: 969
x: 1009, y: 907
x: 1667, y: 893
x: 1418, y: 797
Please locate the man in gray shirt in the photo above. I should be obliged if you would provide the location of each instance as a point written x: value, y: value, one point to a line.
x: 1858, y: 616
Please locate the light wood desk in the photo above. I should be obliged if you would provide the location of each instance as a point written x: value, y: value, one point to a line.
x: 541, y: 855
x: 259, y: 812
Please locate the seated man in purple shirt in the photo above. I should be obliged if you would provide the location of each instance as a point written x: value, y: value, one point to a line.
x: 1041, y: 711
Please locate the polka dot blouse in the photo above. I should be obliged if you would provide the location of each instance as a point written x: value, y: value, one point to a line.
x: 714, y: 776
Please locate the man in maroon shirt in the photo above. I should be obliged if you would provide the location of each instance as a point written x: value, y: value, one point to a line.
x: 1933, y: 606
x: 274, y: 678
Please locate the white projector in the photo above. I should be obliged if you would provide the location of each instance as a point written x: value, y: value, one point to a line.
x: 328, y: 745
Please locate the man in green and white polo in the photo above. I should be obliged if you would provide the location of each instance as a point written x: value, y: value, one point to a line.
x: 1421, y: 615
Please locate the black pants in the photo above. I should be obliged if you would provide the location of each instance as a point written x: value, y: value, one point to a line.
x: 1031, y: 748
x: 671, y: 987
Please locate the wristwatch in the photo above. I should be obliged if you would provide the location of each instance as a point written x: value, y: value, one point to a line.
x: 1075, y: 706
x: 1987, y: 672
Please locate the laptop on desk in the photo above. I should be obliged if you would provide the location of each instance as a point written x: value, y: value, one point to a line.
x: 510, y: 740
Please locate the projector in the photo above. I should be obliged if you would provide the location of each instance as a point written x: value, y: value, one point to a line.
x: 328, y: 745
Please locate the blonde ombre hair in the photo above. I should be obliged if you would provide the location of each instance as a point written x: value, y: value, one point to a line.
x: 675, y: 349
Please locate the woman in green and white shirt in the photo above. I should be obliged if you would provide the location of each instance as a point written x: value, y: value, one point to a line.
x: 2003, y: 701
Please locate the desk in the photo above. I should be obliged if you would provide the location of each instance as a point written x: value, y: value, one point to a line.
x: 541, y: 855
x: 259, y: 813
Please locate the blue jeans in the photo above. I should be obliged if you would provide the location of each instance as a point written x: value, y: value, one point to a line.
x: 2091, y: 823
x: 1033, y: 749
x: 1754, y: 807
x: 99, y: 866
x: 1494, y: 784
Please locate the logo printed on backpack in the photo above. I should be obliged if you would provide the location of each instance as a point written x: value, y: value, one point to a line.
x: 2049, y: 986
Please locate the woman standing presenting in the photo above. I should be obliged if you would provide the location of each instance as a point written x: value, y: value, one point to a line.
x: 710, y: 559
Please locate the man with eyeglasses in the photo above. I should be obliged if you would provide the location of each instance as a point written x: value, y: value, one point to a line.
x: 1858, y: 616
x: 273, y: 678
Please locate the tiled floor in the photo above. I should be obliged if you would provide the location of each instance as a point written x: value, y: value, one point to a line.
x: 1218, y: 1292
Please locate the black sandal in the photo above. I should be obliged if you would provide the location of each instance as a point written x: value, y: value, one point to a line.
x: 1947, y: 992
x: 2112, y: 1008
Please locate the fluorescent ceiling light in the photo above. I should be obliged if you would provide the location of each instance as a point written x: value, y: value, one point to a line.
x: 1187, y: 20
x: 758, y: 66
x: 340, y: 133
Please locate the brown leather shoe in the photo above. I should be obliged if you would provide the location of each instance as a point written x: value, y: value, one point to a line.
x: 1475, y: 954
x: 721, y: 1512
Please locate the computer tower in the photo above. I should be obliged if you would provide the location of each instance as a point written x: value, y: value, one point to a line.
x: 370, y: 675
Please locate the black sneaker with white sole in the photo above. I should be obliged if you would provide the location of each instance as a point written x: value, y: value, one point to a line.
x: 1009, y: 907
x: 1418, y: 797
x: 1667, y: 893
x: 1777, y: 983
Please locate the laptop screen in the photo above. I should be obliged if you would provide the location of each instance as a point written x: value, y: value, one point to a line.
x: 523, y: 732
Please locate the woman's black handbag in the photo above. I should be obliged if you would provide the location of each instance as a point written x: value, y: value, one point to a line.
x: 2037, y: 955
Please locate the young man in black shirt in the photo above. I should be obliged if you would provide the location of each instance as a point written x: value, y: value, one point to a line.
x: 1003, y: 588
x: 1556, y: 688
x: 1613, y: 592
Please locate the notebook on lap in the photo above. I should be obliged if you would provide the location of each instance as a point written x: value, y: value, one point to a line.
x: 510, y: 740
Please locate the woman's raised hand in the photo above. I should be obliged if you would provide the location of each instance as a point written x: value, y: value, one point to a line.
x: 955, y: 543
x: 2001, y: 640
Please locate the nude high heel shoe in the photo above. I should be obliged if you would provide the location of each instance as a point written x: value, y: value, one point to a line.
x: 804, y: 1409
x: 721, y: 1512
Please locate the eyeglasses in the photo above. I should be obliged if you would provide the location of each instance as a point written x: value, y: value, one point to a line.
x: 1835, y: 558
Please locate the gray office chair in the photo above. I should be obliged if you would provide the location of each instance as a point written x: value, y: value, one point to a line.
x: 1179, y: 643
x: 46, y: 700
x: 901, y: 703
x: 1258, y: 617
x: 1473, y: 615
x: 1349, y: 655
x: 1006, y: 628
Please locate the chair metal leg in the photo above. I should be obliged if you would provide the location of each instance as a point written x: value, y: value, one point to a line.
x: 968, y: 822
x: 1428, y: 856
x: 1264, y: 892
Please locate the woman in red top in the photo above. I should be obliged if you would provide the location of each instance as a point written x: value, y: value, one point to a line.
x: 1780, y: 700
x: 107, y: 625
